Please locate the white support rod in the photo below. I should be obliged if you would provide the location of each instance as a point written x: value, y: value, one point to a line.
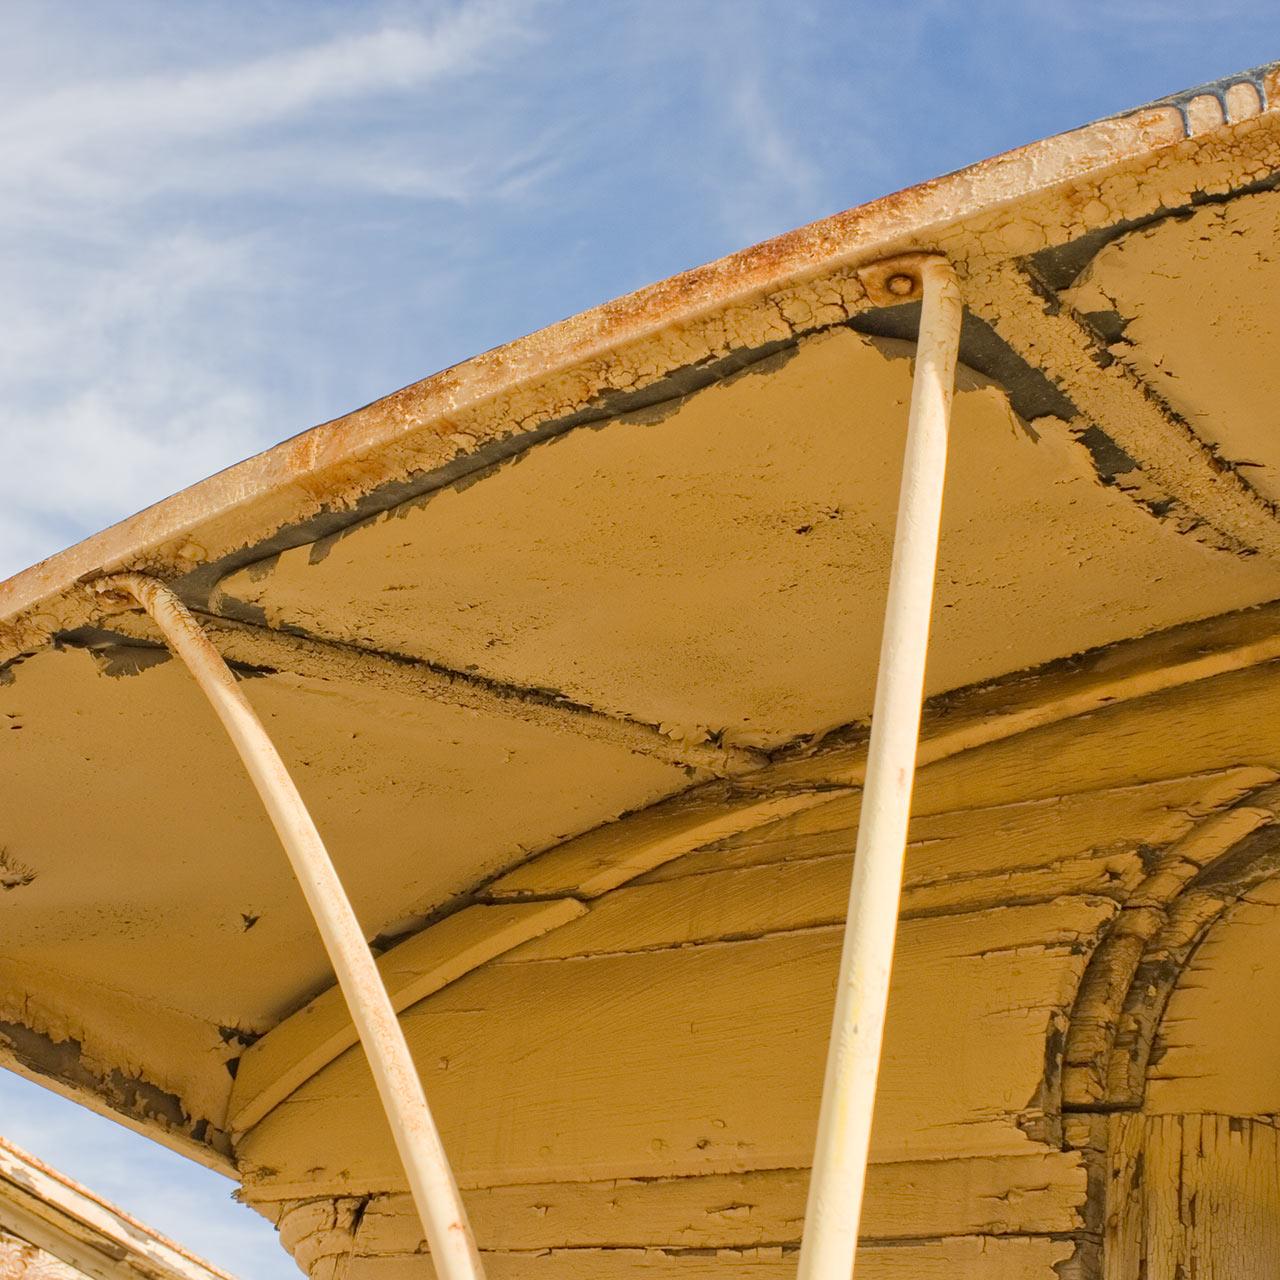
x: 836, y: 1185
x: 435, y: 1191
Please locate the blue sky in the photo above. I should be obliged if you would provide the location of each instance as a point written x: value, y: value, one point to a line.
x: 224, y: 222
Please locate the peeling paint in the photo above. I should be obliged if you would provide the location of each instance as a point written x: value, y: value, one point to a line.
x: 131, y: 1095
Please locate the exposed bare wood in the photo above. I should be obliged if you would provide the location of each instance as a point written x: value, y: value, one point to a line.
x: 264, y: 648
x: 1193, y: 1195
x: 64, y: 1219
x: 20, y: 1260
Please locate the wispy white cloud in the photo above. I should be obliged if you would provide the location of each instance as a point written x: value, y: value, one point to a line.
x: 147, y: 260
x: 73, y: 137
x: 778, y: 158
x: 108, y: 405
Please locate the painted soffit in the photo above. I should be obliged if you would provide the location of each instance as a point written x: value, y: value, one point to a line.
x: 635, y: 554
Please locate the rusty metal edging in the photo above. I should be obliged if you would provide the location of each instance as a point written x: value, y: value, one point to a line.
x: 413, y: 430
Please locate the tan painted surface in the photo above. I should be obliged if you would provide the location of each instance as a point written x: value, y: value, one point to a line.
x: 794, y: 874
x: 691, y: 1041
x: 547, y: 630
x: 272, y: 1068
x: 718, y: 571
x: 1198, y: 296
x: 164, y: 872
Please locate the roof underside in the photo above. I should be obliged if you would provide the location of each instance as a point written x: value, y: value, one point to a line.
x: 631, y: 556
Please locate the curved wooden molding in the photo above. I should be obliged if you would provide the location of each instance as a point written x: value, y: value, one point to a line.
x: 1134, y: 970
x: 538, y: 896
x: 609, y: 856
x: 291, y: 1053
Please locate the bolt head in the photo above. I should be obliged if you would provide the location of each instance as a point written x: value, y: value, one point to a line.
x: 901, y: 285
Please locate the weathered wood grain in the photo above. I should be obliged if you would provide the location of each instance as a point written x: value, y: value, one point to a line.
x: 795, y: 873
x: 1011, y: 1195
x: 294, y: 1051
x: 989, y: 838
x: 704, y: 1059
x: 1193, y: 1195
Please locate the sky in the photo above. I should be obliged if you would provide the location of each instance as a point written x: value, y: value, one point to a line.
x: 225, y: 222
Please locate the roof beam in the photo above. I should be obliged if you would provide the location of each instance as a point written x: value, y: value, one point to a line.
x: 1177, y: 474
x: 248, y: 645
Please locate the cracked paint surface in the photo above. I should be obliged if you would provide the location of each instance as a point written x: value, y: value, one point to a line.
x: 718, y: 569
x: 1195, y: 297
x: 110, y: 943
x: 576, y: 576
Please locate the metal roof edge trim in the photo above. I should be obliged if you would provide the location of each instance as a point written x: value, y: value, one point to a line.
x: 310, y: 465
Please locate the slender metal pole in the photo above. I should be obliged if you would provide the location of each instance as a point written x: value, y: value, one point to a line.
x: 435, y: 1192
x: 848, y: 1094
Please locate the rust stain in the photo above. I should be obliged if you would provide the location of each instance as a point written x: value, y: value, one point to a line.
x: 552, y: 371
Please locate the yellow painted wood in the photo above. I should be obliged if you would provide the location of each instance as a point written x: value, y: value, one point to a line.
x: 970, y: 1257
x: 794, y: 873
x: 609, y: 856
x: 1193, y: 1195
x: 997, y: 1196
x: 997, y: 837
x: 1099, y: 1060
x: 292, y: 1053
x: 704, y: 1059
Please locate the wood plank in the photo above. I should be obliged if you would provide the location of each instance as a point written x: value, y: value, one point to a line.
x: 611, y: 855
x: 1092, y: 843
x: 791, y: 896
x: 102, y: 1242
x: 704, y: 1059
x: 1013, y: 1195
x: 990, y: 838
x: 303, y: 1044
x: 973, y: 1257
x: 1228, y: 721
